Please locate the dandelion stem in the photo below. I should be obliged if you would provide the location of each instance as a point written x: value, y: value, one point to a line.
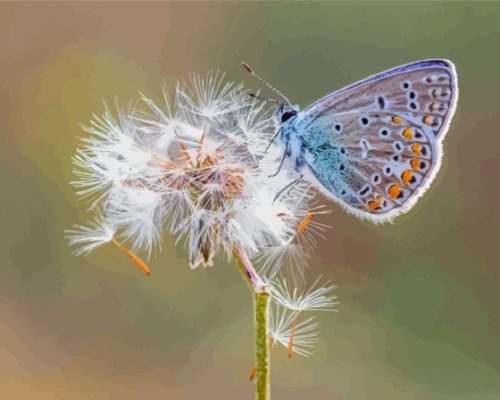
x: 261, y: 306
x: 249, y: 273
x: 262, y: 344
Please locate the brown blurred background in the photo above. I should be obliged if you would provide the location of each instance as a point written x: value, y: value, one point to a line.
x: 418, y: 318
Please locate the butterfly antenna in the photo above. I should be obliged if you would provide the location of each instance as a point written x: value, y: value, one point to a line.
x: 255, y: 96
x: 259, y: 78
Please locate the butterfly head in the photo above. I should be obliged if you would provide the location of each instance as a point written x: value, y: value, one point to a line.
x: 285, y: 110
x: 285, y: 113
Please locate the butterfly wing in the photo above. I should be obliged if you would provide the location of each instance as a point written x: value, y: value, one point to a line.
x: 375, y: 146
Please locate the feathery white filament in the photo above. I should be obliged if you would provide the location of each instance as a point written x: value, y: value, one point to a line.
x: 90, y: 237
x: 297, y: 298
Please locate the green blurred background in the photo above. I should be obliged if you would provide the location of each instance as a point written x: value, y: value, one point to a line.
x: 419, y: 314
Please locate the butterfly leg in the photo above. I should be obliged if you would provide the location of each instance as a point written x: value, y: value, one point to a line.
x: 288, y: 187
x: 273, y: 139
x: 286, y: 153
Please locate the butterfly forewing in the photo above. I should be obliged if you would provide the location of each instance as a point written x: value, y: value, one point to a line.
x: 375, y: 146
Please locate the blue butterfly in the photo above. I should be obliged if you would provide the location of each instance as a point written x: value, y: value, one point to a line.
x: 375, y: 146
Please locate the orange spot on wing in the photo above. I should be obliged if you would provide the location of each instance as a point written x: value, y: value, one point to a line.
x: 408, y: 133
x: 415, y: 163
x: 427, y: 120
x: 135, y: 259
x: 397, y: 120
x: 375, y: 204
x: 417, y: 149
x: 406, y: 176
x: 394, y: 191
x: 304, y: 223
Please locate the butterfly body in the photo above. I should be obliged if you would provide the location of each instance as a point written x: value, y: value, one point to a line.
x: 374, y: 147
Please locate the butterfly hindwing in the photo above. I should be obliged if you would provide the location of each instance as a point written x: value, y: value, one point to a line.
x: 375, y: 146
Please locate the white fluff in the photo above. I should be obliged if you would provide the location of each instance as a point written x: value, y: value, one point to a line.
x: 198, y: 169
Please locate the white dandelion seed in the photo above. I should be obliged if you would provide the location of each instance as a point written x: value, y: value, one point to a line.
x: 109, y: 157
x: 299, y: 298
x: 88, y: 238
x: 270, y: 259
x: 208, y: 97
x: 297, y: 337
x: 138, y: 213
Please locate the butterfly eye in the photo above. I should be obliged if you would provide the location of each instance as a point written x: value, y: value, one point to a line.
x: 287, y: 115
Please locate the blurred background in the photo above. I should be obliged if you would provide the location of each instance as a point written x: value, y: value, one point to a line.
x: 418, y: 317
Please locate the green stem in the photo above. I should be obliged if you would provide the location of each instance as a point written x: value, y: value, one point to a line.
x: 261, y: 305
x: 262, y: 346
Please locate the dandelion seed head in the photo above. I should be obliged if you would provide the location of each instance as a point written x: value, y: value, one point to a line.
x: 199, y: 167
x: 196, y: 167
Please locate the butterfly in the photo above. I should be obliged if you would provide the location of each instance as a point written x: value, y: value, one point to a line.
x: 374, y: 147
